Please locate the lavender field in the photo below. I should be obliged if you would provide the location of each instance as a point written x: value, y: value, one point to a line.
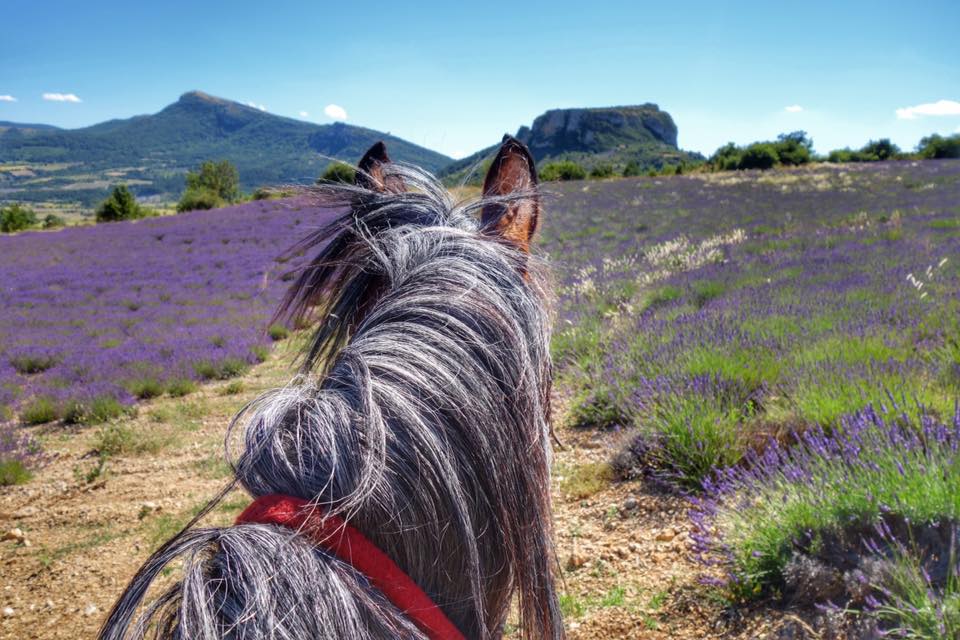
x: 93, y: 318
x: 782, y: 347
x: 785, y: 349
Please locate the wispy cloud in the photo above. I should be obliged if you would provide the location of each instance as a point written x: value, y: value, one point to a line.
x: 7, y: 98
x: 335, y: 111
x: 61, y: 97
x: 794, y: 108
x: 938, y: 108
x: 256, y: 106
x: 304, y: 114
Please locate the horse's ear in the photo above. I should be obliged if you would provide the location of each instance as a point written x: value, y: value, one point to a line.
x: 513, y: 177
x: 370, y: 174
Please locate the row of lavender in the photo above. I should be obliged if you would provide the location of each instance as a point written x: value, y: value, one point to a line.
x: 94, y: 317
x: 818, y: 311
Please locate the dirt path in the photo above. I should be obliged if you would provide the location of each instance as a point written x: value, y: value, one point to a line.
x: 624, y: 549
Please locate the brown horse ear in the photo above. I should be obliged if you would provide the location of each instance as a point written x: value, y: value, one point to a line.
x: 512, y: 173
x: 370, y: 174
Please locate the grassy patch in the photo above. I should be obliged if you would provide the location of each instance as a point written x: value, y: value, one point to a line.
x: 14, y: 472
x: 584, y: 480
x: 124, y: 439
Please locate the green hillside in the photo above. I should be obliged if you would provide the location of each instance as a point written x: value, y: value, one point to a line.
x: 152, y: 152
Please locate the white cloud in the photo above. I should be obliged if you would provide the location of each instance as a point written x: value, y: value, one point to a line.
x: 957, y: 129
x: 938, y: 108
x: 335, y: 111
x: 304, y: 114
x: 7, y: 98
x: 456, y: 155
x: 61, y: 97
x: 794, y: 108
x: 256, y: 106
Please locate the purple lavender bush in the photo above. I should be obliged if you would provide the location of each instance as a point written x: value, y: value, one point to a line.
x: 20, y: 455
x: 827, y: 520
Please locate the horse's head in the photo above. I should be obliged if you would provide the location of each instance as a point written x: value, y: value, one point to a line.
x: 420, y: 419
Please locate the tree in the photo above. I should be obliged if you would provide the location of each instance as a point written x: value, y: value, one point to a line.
x: 121, y: 205
x: 881, y: 149
x: 727, y: 157
x: 16, y: 218
x: 937, y: 146
x: 793, y: 148
x: 338, y: 172
x: 215, y: 184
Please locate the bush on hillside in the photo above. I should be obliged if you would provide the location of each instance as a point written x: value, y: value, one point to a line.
x: 562, y: 170
x: 632, y: 169
x: 338, y: 172
x: 16, y: 218
x: 121, y: 205
x: 603, y: 170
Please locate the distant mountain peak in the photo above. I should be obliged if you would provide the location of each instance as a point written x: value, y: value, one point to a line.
x: 201, y: 96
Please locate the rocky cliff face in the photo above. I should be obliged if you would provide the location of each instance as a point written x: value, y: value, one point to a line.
x: 613, y: 136
x: 561, y: 131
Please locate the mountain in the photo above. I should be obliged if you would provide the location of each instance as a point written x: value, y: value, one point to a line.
x: 151, y: 153
x: 21, y: 125
x: 590, y: 137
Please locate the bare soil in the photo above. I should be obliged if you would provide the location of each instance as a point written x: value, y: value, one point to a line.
x: 625, y: 561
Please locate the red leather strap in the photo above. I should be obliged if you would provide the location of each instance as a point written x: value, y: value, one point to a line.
x: 332, y: 533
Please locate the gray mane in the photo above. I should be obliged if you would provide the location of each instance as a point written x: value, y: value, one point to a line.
x: 420, y: 415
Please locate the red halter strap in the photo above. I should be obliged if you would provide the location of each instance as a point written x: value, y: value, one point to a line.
x: 333, y: 534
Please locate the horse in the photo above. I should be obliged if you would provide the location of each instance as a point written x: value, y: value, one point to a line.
x: 401, y: 480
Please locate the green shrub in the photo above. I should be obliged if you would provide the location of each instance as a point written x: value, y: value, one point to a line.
x: 632, y: 169
x: 603, y: 170
x: 145, y: 388
x: 95, y: 411
x: 52, y: 221
x: 562, y: 170
x: 233, y: 388
x: 121, y: 205
x: 180, y: 387
x: 278, y: 332
x: 16, y: 218
x: 40, y: 410
x: 222, y: 370
x: 13, y: 472
x: 338, y: 172
x: 29, y: 364
x: 198, y: 199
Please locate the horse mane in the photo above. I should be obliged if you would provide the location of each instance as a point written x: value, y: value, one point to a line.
x: 420, y: 415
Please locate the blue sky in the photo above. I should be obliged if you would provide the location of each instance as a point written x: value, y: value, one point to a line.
x: 455, y: 76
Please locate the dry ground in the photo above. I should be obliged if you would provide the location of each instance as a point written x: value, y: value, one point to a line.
x: 627, y: 572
